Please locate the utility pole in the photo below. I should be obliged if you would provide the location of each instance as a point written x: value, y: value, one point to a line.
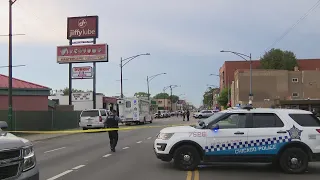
x: 148, y: 88
x: 171, y: 98
x: 121, y: 79
x: 11, y: 2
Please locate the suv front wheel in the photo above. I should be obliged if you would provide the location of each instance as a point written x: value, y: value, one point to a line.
x: 294, y: 161
x: 186, y: 158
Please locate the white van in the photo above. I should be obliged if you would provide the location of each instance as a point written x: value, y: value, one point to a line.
x: 134, y: 110
x: 93, y: 118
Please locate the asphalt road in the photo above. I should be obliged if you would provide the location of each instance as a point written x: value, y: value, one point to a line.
x: 88, y: 156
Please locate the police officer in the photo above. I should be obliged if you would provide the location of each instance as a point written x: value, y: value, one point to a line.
x: 113, y: 122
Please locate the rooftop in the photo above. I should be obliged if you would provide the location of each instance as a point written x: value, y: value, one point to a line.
x: 19, y: 84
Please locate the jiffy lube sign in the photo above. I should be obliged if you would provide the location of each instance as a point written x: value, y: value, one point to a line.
x: 82, y: 27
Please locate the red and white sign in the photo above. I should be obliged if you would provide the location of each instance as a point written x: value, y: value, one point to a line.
x: 82, y: 53
x: 82, y: 27
x: 84, y: 72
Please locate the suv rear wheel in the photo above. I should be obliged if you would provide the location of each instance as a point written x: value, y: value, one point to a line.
x: 186, y: 158
x: 294, y: 161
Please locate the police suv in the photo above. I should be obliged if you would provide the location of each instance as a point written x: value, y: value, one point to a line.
x: 285, y: 137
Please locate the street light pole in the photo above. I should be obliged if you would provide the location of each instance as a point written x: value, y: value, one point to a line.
x: 11, y: 2
x: 121, y: 79
x: 171, y: 87
x: 250, y: 59
x: 227, y: 84
x: 127, y: 60
x: 148, y: 81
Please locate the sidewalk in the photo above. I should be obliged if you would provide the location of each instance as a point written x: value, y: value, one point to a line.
x: 40, y: 137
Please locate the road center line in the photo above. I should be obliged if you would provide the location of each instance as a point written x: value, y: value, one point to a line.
x: 107, y: 155
x: 60, y: 175
x: 196, y: 175
x: 54, y: 150
x: 149, y: 137
x: 139, y: 142
x: 78, y: 167
x: 125, y: 148
x: 189, y: 175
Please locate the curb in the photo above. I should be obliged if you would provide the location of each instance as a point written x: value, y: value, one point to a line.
x: 49, y: 138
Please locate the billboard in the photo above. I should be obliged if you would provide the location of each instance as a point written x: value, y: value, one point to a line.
x: 82, y: 96
x: 82, y: 27
x: 82, y: 53
x: 84, y: 72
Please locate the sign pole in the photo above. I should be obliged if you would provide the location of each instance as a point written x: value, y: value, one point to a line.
x: 94, y: 80
x: 70, y: 79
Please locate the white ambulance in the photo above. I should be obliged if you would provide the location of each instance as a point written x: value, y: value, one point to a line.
x: 134, y: 110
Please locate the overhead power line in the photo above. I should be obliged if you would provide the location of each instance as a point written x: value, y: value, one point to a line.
x: 294, y: 25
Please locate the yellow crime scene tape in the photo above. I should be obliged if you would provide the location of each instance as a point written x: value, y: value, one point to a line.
x: 94, y: 130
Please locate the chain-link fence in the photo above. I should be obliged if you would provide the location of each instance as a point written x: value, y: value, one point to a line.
x: 42, y: 120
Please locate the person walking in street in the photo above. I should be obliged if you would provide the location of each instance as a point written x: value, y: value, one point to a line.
x: 184, y: 115
x: 188, y: 114
x: 113, y: 122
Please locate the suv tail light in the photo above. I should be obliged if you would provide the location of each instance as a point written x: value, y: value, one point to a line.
x: 318, y: 130
x: 100, y: 118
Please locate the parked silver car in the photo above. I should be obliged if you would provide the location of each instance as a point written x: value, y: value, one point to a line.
x: 204, y: 114
x: 17, y: 157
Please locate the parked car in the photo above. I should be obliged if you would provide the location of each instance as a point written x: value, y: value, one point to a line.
x: 17, y: 157
x: 93, y: 118
x: 204, y: 114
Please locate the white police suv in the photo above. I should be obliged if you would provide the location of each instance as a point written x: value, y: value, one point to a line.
x: 285, y: 137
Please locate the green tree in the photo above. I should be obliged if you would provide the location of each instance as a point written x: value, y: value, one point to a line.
x: 278, y: 59
x: 208, y: 96
x: 174, y: 98
x: 161, y: 96
x: 141, y: 94
x: 223, y: 97
x: 65, y: 91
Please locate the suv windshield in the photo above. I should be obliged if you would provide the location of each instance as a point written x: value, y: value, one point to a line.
x: 93, y: 113
x: 210, y: 119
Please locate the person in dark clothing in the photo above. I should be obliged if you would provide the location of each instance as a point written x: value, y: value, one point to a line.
x: 184, y: 115
x: 188, y: 115
x: 113, y: 122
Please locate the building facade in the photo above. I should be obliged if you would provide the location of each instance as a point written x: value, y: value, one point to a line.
x: 27, y: 96
x: 165, y: 104
x: 228, y: 69
x: 78, y: 105
x: 269, y: 86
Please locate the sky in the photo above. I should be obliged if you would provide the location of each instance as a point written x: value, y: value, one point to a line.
x: 184, y: 38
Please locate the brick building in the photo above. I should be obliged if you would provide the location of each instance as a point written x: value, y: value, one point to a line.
x: 269, y: 86
x: 228, y: 69
x: 27, y: 96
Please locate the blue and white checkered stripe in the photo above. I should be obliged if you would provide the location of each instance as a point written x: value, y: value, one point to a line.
x: 245, y: 144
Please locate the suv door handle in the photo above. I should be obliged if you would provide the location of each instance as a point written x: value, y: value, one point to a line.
x: 239, y: 133
x: 281, y: 132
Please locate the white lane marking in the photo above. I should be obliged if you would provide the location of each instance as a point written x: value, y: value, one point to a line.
x: 139, y: 142
x: 54, y: 150
x: 125, y: 148
x: 149, y: 137
x: 60, y: 175
x: 78, y: 167
x: 107, y: 155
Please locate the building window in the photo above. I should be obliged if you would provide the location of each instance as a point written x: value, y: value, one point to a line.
x: 160, y: 102
x: 295, y: 94
x: 128, y: 104
x: 295, y: 80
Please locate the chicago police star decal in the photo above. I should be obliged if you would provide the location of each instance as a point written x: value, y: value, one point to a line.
x: 294, y: 133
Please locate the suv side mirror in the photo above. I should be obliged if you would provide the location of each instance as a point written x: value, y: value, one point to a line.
x: 3, y: 125
x: 215, y: 127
